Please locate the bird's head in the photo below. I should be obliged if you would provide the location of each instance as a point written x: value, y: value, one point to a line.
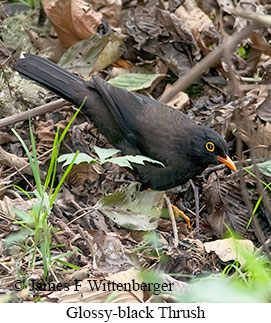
x: 208, y: 147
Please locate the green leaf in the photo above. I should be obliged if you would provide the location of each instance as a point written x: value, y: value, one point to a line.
x: 104, y: 157
x: 16, y: 237
x: 134, y: 81
x: 219, y: 290
x: 125, y: 161
x: 63, y: 179
x: 121, y: 161
x: 243, y: 52
x: 104, y: 153
x: 26, y: 218
x: 264, y: 168
x: 33, y: 161
x: 132, y: 209
x: 139, y: 159
x: 81, y: 158
x: 65, y: 263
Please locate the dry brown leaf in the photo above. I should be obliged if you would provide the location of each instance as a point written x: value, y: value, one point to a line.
x: 121, y: 63
x: 110, y: 54
x: 255, y: 133
x: 6, y: 138
x: 46, y: 135
x: 260, y: 140
x: 225, y: 204
x: 163, y: 34
x: 227, y: 249
x: 253, y: 112
x: 12, y: 160
x: 110, y: 256
x: 73, y: 20
x: 3, y: 184
x: 83, y: 172
x: 46, y: 131
x: 86, y: 295
x: 50, y: 45
x: 166, y: 225
x: 259, y: 42
x: 201, y: 25
x: 110, y: 9
x: 7, y: 205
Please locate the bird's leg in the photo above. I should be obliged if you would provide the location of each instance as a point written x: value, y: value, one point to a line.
x: 179, y: 213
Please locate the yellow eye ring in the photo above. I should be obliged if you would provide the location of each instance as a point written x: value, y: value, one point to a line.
x: 210, y: 146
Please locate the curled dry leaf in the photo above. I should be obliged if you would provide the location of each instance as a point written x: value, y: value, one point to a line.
x: 6, y: 138
x: 255, y: 133
x: 110, y: 9
x: 46, y: 135
x: 73, y: 20
x: 12, y: 160
x: 201, y: 25
x: 163, y: 34
x: 260, y: 43
x: 229, y: 249
x: 110, y: 255
x: 7, y: 205
x: 83, y: 172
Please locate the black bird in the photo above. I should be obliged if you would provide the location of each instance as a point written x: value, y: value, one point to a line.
x: 135, y: 124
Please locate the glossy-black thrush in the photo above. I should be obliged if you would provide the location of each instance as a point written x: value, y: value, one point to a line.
x: 135, y: 124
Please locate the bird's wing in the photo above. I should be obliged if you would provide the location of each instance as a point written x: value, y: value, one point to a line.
x: 123, y: 105
x: 145, y: 123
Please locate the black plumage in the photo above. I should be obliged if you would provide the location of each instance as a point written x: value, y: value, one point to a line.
x: 135, y: 124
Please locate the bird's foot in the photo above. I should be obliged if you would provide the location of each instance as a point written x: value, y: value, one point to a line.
x: 180, y: 214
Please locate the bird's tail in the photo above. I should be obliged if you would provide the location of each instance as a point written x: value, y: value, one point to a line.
x: 52, y: 77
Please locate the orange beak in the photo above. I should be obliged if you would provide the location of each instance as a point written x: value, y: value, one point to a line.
x: 227, y: 161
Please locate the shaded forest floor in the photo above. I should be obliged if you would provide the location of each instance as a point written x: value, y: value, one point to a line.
x: 99, y: 225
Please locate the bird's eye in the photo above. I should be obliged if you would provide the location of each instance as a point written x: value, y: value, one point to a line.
x: 210, y: 146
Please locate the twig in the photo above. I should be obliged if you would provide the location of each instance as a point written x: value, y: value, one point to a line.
x: 52, y: 106
x: 264, y: 20
x: 173, y: 222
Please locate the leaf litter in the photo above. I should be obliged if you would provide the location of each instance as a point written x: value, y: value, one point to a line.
x: 97, y: 217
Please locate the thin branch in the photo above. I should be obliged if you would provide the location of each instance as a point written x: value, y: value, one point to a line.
x: 49, y: 107
x: 173, y: 222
